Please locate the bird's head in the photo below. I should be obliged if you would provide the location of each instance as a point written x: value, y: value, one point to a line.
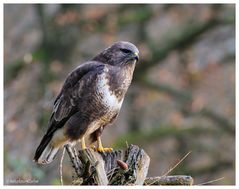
x: 120, y: 53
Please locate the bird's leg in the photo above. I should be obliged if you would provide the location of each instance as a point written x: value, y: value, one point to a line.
x: 100, y: 148
x: 83, y: 146
x: 92, y: 146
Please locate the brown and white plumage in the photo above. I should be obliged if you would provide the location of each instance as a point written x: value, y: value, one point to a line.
x: 89, y: 100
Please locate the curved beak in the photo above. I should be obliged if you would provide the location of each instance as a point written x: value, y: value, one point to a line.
x: 136, y: 56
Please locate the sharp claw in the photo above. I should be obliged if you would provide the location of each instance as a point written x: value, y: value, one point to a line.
x: 104, y: 149
x: 110, y: 149
x: 92, y: 147
x: 101, y: 148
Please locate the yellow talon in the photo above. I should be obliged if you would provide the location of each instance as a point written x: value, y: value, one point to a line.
x: 104, y: 149
x: 83, y: 146
x: 100, y: 148
x: 92, y: 146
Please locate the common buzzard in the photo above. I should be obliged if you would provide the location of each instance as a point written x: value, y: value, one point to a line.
x: 89, y: 100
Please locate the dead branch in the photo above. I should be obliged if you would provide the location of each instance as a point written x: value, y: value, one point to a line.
x: 169, y: 180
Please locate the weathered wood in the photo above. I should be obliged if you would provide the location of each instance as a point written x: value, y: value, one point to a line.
x: 110, y: 168
x: 119, y: 167
x: 138, y: 163
x: 96, y: 161
x: 110, y: 159
x: 169, y: 180
x: 76, y: 164
x: 141, y: 164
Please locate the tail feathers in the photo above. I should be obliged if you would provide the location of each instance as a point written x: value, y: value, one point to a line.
x: 48, y: 155
x: 45, y: 152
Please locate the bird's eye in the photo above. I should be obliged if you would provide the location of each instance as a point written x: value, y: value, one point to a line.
x: 126, y: 51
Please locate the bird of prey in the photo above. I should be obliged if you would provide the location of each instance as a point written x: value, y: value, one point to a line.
x: 89, y: 100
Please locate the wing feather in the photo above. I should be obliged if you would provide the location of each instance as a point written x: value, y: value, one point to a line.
x: 62, y: 109
x: 66, y: 101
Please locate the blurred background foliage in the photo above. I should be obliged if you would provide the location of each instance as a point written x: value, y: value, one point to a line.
x: 182, y: 97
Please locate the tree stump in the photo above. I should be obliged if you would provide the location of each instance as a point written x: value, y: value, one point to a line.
x: 129, y: 167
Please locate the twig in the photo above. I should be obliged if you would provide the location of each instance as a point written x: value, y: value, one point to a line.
x: 172, y: 168
x: 74, y: 160
x: 61, y: 165
x: 110, y: 173
x: 211, y: 181
x: 127, y: 145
